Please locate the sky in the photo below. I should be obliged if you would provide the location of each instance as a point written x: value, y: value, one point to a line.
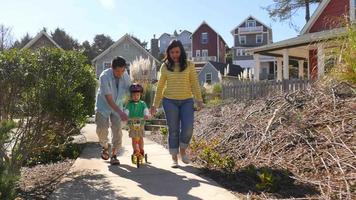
x: 83, y: 19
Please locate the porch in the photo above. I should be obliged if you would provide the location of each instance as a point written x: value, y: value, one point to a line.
x: 310, y: 51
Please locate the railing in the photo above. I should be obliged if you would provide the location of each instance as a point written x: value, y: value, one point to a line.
x: 250, y: 29
x: 204, y: 59
x: 251, y: 90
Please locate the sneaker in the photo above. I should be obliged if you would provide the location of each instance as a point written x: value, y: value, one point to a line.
x: 114, y: 160
x: 175, y: 164
x: 185, y: 159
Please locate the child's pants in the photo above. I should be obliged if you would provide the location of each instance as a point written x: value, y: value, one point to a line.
x: 102, y: 130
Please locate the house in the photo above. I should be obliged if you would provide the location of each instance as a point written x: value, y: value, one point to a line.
x: 251, y: 33
x: 207, y: 45
x: 42, y: 39
x: 212, y: 72
x: 183, y: 36
x: 125, y: 47
x: 310, y: 49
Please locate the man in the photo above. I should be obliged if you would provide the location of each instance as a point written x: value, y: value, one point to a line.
x: 114, y: 86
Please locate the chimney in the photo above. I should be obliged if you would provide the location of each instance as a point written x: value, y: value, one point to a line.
x: 154, y: 47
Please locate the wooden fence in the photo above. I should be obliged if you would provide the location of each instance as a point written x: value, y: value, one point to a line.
x: 252, y: 90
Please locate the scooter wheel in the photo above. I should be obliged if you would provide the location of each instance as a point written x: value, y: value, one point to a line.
x: 146, y: 158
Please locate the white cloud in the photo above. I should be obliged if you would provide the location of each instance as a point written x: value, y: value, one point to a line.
x: 108, y: 4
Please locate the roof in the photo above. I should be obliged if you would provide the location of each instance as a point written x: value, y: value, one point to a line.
x: 234, y: 70
x: 302, y: 40
x: 204, y: 22
x: 250, y: 16
x: 315, y: 16
x: 126, y: 36
x: 38, y: 36
x: 171, y: 35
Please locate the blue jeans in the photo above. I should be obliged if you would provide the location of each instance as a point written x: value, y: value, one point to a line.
x: 180, y: 119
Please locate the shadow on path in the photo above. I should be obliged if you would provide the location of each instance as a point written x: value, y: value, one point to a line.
x: 88, y: 186
x: 159, y: 182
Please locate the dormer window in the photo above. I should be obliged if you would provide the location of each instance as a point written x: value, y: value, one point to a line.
x: 251, y: 23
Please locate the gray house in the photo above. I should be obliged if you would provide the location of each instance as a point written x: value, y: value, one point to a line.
x: 125, y: 47
x: 212, y: 72
x: 252, y: 33
x: 183, y: 36
x: 42, y: 39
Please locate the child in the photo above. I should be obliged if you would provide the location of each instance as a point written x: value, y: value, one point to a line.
x: 137, y: 111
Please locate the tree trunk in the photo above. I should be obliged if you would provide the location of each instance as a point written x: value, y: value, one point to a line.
x: 307, y: 10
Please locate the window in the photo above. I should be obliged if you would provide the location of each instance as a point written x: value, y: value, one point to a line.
x: 208, y: 78
x: 204, y: 38
x: 126, y: 46
x: 259, y: 39
x: 242, y: 39
x: 251, y: 23
x: 240, y: 52
x: 204, y: 53
x: 197, y: 53
x: 106, y: 65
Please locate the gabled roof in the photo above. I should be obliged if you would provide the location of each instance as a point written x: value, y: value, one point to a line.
x: 204, y: 22
x: 250, y: 16
x: 38, y: 36
x: 171, y: 35
x: 126, y: 36
x: 234, y: 70
x: 315, y: 16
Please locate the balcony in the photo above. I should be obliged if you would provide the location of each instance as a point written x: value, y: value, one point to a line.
x: 204, y: 59
x: 254, y: 29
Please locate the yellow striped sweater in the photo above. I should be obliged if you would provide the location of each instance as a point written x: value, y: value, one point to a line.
x: 177, y: 85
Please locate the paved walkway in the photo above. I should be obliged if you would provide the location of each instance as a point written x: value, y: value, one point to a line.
x: 92, y: 178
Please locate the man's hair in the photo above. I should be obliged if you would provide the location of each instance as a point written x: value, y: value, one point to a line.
x: 118, y: 62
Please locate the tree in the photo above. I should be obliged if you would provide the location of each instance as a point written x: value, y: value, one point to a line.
x: 101, y: 43
x: 6, y: 37
x: 64, y: 40
x: 19, y: 44
x: 87, y: 50
x: 284, y: 10
x: 143, y: 44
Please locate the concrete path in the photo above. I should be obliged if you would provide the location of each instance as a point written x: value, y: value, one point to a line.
x: 92, y: 178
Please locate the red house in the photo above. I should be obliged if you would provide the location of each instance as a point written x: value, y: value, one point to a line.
x: 310, y: 49
x: 207, y: 45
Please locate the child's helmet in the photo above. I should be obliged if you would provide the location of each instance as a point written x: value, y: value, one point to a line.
x: 136, y: 88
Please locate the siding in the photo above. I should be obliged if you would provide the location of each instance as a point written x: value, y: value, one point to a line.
x: 42, y: 42
x: 130, y: 54
x: 331, y: 16
x: 211, y: 46
x: 313, y: 64
x: 208, y: 68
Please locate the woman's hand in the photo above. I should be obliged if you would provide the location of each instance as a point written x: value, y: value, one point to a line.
x: 153, y: 111
x: 199, y: 105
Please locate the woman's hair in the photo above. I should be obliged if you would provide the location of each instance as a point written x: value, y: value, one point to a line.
x: 182, y: 59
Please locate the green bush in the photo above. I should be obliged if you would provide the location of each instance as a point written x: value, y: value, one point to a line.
x: 164, y: 131
x: 8, y: 177
x: 50, y: 92
x: 217, y: 88
x: 212, y: 158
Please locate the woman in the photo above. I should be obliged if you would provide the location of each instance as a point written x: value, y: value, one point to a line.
x: 177, y: 86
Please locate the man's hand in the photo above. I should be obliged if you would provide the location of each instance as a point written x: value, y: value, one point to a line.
x: 123, y: 116
x: 146, y: 117
x: 153, y: 111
